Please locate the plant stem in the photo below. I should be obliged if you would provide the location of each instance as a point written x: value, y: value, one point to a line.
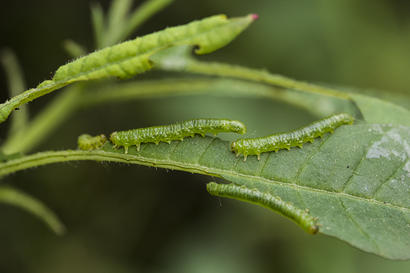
x: 234, y: 71
x: 26, y: 202
x: 73, y: 99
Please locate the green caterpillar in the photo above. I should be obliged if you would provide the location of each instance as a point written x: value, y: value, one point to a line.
x: 267, y: 200
x: 87, y: 142
x: 177, y: 131
x: 275, y: 142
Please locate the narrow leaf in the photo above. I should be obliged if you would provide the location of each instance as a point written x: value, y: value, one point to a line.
x: 97, y: 16
x: 16, y: 85
x: 133, y: 57
x: 74, y: 49
x: 179, y: 59
x: 141, y: 14
x: 116, y: 21
x: 373, y: 110
x: 56, y: 112
x: 19, y: 199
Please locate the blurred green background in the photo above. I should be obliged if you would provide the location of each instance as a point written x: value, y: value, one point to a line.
x: 136, y: 219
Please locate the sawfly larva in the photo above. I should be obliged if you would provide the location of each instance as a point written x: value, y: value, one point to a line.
x: 275, y: 142
x: 176, y: 131
x: 267, y: 200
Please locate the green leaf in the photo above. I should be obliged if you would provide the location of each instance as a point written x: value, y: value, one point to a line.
x: 75, y: 97
x: 16, y: 84
x: 133, y: 57
x: 98, y: 22
x: 116, y: 20
x: 143, y: 13
x: 373, y: 110
x: 74, y: 49
x: 124, y: 92
x: 11, y: 196
x: 130, y: 58
x: 121, y: 24
x: 356, y: 181
x: 6, y: 157
x: 56, y: 112
x: 178, y: 58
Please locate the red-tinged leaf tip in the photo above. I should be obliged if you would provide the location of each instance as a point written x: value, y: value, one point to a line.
x: 254, y: 16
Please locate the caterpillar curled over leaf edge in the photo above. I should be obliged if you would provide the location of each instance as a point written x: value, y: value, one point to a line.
x: 298, y: 137
x: 267, y: 200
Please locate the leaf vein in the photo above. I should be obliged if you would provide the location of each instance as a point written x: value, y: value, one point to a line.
x: 388, y: 179
x: 205, y: 150
x: 44, y: 158
x: 264, y: 165
x: 358, y: 226
x: 350, y: 179
x: 307, y: 160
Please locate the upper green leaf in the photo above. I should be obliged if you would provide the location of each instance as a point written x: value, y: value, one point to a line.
x: 132, y: 57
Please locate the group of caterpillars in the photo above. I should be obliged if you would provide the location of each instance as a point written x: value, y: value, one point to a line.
x: 245, y: 147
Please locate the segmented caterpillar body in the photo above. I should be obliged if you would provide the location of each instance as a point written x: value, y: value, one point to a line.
x: 275, y: 142
x: 177, y: 131
x: 301, y: 217
x: 87, y: 142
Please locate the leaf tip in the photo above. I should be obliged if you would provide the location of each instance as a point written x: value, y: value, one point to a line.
x: 254, y: 16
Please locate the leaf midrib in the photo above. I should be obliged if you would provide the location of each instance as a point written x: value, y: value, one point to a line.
x: 72, y: 155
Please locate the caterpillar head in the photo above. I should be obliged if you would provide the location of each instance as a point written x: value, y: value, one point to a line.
x: 113, y: 137
x: 237, y: 147
x: 237, y: 127
x: 233, y: 146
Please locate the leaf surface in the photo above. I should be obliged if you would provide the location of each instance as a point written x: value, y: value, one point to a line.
x: 356, y: 181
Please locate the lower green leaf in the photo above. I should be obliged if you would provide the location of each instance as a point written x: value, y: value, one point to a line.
x: 355, y: 181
